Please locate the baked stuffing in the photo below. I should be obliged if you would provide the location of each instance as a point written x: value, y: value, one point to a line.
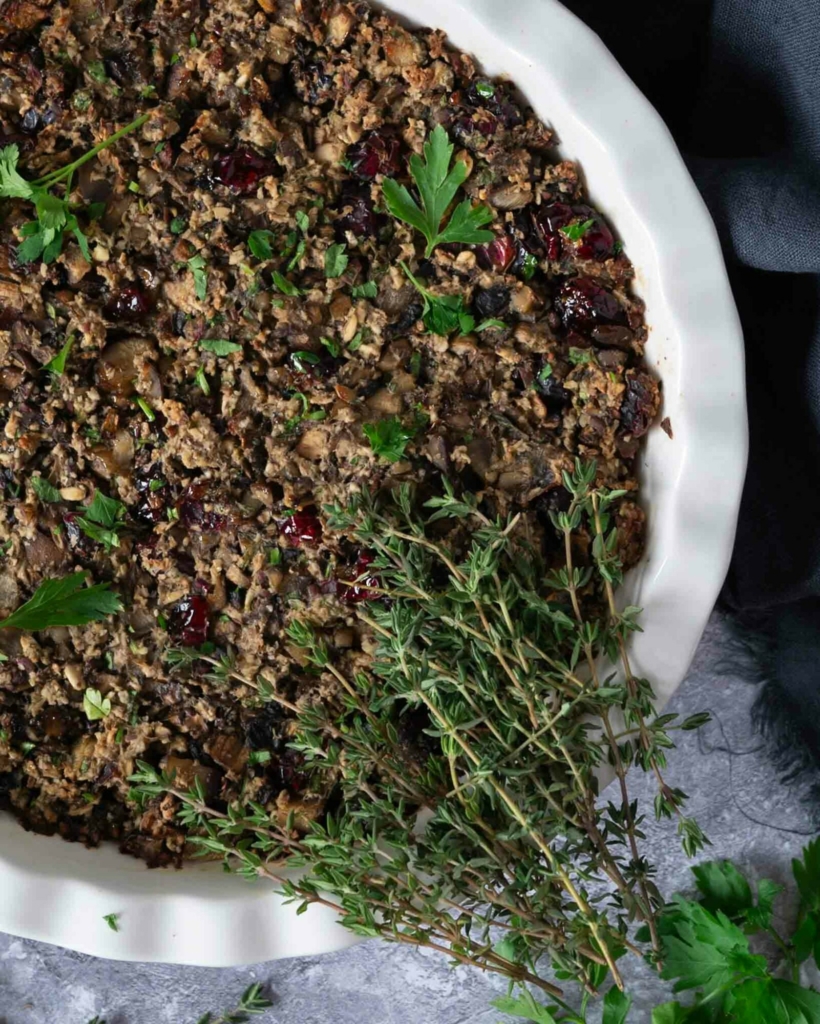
x: 247, y: 338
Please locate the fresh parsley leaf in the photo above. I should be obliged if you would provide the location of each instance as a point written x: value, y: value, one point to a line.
x: 102, y: 519
x: 285, y: 286
x: 723, y: 887
x: 544, y: 373
x: 64, y: 602
x: 442, y: 314
x: 487, y: 324
x: 368, y: 290
x: 807, y: 875
x: 196, y: 264
x: 259, y: 756
x: 669, y: 1013
x: 112, y: 920
x: 96, y: 70
x: 57, y: 364
x: 616, y: 1006
x: 704, y: 950
x: 333, y: 347
x: 355, y: 342
x: 575, y: 232
x: 44, y: 490
x: 259, y: 243
x: 31, y: 248
x: 95, y: 705
x: 12, y: 184
x: 437, y: 184
x: 220, y: 346
x: 336, y: 260
x: 105, y: 511
x: 485, y: 90
x: 177, y: 225
x: 524, y: 1006
x: 388, y: 438
x: 302, y: 221
x: 618, y: 247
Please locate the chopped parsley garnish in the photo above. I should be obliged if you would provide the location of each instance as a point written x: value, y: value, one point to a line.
x: 44, y: 490
x: 618, y: 247
x: 147, y: 411
x: 259, y: 243
x: 177, y: 225
x: 485, y: 90
x: 259, y: 757
x: 369, y: 290
x: 112, y: 920
x: 81, y: 101
x: 575, y: 232
x: 437, y: 185
x: 64, y: 602
x: 355, y: 342
x: 332, y: 346
x: 274, y: 556
x: 202, y: 382
x: 102, y: 519
x: 303, y: 360
x: 285, y: 286
x: 219, y: 346
x: 544, y: 373
x: 57, y: 364
x: 487, y: 324
x: 388, y: 438
x: 196, y: 264
x: 336, y: 260
x: 577, y: 356
x: 529, y: 266
x: 95, y: 705
x: 96, y: 70
x: 302, y: 221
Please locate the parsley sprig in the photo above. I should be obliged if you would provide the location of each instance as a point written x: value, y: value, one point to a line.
x: 64, y: 602
x: 437, y: 185
x: 443, y: 314
x: 56, y: 215
x: 102, y: 520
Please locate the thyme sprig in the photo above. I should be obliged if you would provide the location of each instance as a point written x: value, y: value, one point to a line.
x: 498, y: 679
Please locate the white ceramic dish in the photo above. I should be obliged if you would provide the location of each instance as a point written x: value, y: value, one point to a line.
x: 58, y: 892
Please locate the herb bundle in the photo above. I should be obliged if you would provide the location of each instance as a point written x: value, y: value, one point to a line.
x: 476, y: 717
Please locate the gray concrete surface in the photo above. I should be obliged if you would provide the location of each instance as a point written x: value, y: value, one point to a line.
x: 376, y: 983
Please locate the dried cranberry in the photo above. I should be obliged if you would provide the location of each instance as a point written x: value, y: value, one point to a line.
x: 640, y: 403
x: 188, y: 621
x: 597, y: 242
x: 242, y: 170
x: 361, y: 591
x: 359, y: 215
x: 129, y: 303
x: 468, y: 126
x: 583, y: 304
x: 548, y: 221
x: 302, y: 528
x: 193, y: 514
x: 497, y: 255
x: 378, y: 152
x: 491, y: 302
